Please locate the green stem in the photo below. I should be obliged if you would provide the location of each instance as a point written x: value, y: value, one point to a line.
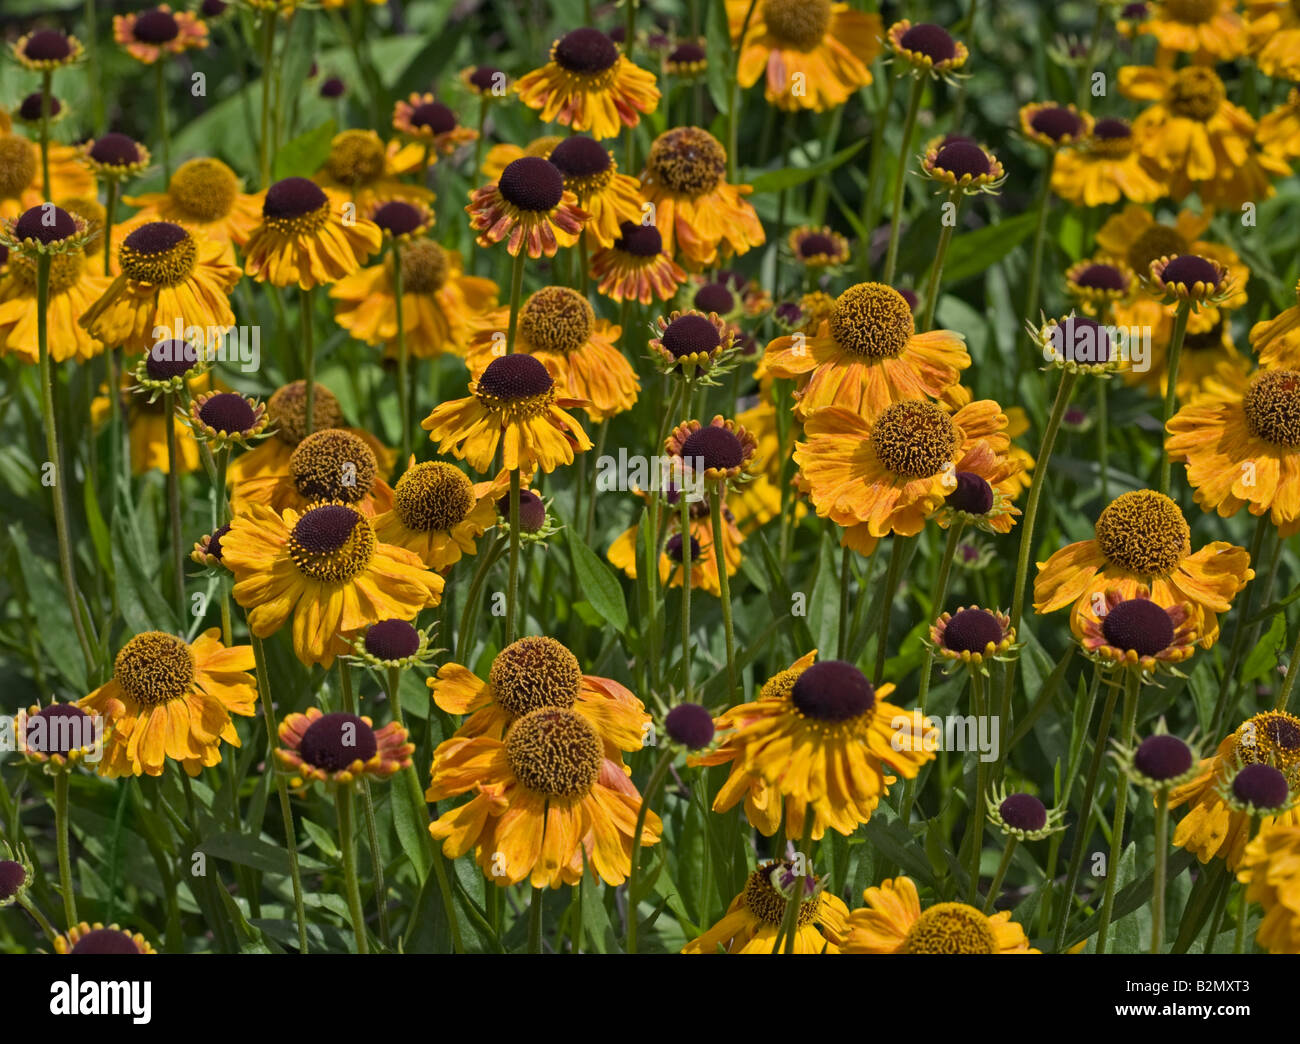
x: 309, y: 358
x: 174, y: 504
x: 688, y: 566
x: 403, y: 357
x: 892, y: 578
x: 1288, y: 683
x: 54, y: 456
x: 1132, y: 687
x: 1084, y: 827
x: 657, y: 775
x: 936, y: 269
x: 904, y: 148
x: 724, y: 584
x: 535, y: 921
x: 1171, y: 392
x: 61, y: 835
x: 870, y: 202
x: 977, y: 797
x: 487, y: 559
x: 343, y: 800
x: 282, y: 786
x: 733, y: 87
x: 1160, y: 870
x: 268, y: 61
x: 1239, y: 937
x: 790, y: 923
x: 1044, y: 205
x: 512, y: 590
x: 991, y: 899
x: 47, y: 81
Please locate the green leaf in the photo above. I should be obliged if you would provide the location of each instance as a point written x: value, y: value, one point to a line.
x: 1265, y: 655
x: 598, y: 582
x: 789, y: 177
x: 411, y: 821
x: 304, y: 155
x: 971, y: 253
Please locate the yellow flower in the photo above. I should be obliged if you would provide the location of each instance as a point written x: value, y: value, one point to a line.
x: 159, y: 32
x: 1201, y: 142
x: 623, y: 551
x: 1209, y: 30
x: 333, y: 464
x: 1241, y: 444
x: 696, y: 209
x: 820, y: 740
x: 1273, y: 32
x: 752, y: 923
x: 340, y: 747
x: 327, y: 569
x: 1279, y: 130
x: 893, y: 922
x: 868, y: 355
x: 85, y: 938
x: 206, y: 194
x: 529, y: 207
x: 546, y: 803
x: 591, y: 173
x: 366, y: 171
x: 811, y: 54
x: 1138, y: 631
x: 1271, y: 873
x: 73, y: 288
x: 173, y: 278
x: 512, y: 403
x: 307, y: 237
x: 438, y: 513
x: 557, y: 326
x: 1143, y: 540
x: 432, y: 124
x: 1212, y: 829
x: 1277, y: 341
x: 1106, y: 168
x: 589, y: 86
x: 146, y: 425
x: 169, y: 698
x: 635, y: 266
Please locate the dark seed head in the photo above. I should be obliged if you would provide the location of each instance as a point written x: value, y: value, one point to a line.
x: 65, y: 727
x: 674, y: 548
x: 1189, y: 269
x: 46, y: 224
x: 933, y: 41
x: 1023, y: 812
x: 514, y: 377
x: 715, y: 446
x: 586, y: 51
x: 910, y: 297
x: 640, y: 240
x: 972, y: 631
x: 1138, y: 625
x: 434, y: 115
x: 48, y: 45
x: 689, y: 334
x: 398, y: 218
x: 213, y: 8
x: 690, y: 725
x: 14, y: 875
x: 116, y: 150
x: 334, y: 741
x: 1078, y: 339
x: 816, y: 245
x: 170, y: 358
x: 484, y: 77
x: 1260, y: 785
x: 687, y: 54
x: 156, y: 27
x: 30, y: 108
x: 332, y: 87
x: 293, y: 197
x: 580, y: 156
x: 156, y: 237
x: 532, y: 183
x: 962, y: 158
x: 532, y: 510
x: 326, y: 528
x: 1111, y: 129
x: 833, y: 691
x: 1102, y: 277
x: 214, y: 541
x: 1162, y: 757
x: 1056, y: 123
x: 714, y: 297
x: 972, y: 495
x: 228, y: 412
x: 392, y: 640
x: 105, y: 940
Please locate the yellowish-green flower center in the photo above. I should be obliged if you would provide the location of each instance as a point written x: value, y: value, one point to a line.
x: 433, y: 497
x: 1271, y: 738
x: 424, y: 267
x: 203, y: 189
x: 800, y: 24
x: 1191, y: 12
x: 767, y: 904
x: 333, y: 464
x: 154, y: 668
x: 1155, y: 241
x: 950, y: 928
x: 65, y: 271
x: 688, y: 161
x: 914, y: 439
x: 872, y: 321
x: 288, y: 410
x: 1144, y: 532
x: 1196, y: 93
x: 356, y: 158
x: 555, y: 752
x: 533, y: 673
x: 1272, y: 407
x: 18, y: 166
x: 557, y: 319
